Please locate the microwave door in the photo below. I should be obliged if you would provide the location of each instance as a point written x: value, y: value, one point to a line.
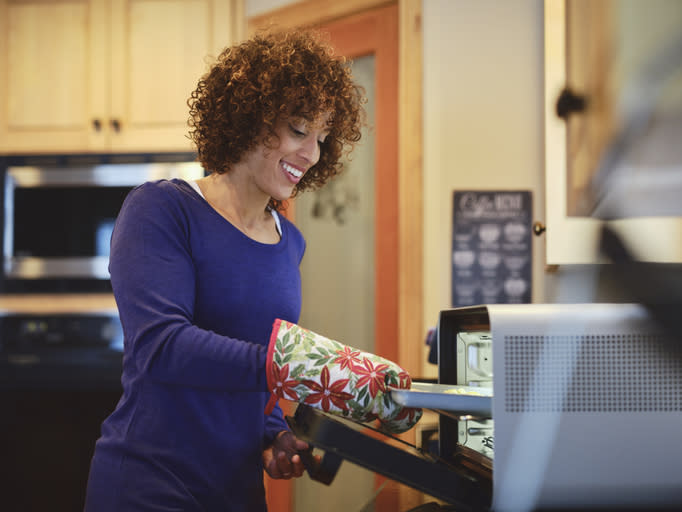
x: 58, y: 221
x: 61, y: 231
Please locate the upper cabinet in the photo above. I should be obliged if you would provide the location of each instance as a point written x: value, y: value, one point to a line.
x: 105, y: 75
x: 613, y: 126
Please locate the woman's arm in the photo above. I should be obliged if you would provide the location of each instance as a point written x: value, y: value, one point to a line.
x: 153, y: 278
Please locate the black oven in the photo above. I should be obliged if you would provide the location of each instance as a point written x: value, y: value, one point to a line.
x: 59, y: 379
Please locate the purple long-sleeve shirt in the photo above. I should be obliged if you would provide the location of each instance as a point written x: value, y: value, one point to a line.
x: 197, y: 300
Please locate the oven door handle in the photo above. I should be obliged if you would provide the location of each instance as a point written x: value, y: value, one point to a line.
x: 325, y: 469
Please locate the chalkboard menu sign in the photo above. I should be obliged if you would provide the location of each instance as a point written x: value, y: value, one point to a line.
x: 491, y: 247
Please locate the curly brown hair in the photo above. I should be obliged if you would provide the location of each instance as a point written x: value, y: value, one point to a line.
x: 270, y: 77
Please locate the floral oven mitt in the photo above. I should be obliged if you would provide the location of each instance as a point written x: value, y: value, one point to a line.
x: 308, y: 368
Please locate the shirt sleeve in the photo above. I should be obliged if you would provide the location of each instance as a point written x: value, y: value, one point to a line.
x: 274, y: 424
x: 153, y: 278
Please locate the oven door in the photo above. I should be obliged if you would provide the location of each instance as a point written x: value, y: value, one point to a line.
x: 465, y: 481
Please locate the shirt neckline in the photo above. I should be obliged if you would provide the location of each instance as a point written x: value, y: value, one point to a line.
x: 274, y: 213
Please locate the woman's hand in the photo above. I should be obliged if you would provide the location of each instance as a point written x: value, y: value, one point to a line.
x: 281, y: 460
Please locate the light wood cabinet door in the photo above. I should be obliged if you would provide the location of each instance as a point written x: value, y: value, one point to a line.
x: 159, y: 49
x: 105, y: 75
x: 52, y: 75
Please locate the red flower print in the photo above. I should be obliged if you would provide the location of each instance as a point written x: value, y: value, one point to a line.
x: 282, y: 384
x: 369, y: 416
x: 404, y: 379
x: 324, y: 392
x: 372, y: 376
x: 407, y: 412
x: 347, y: 358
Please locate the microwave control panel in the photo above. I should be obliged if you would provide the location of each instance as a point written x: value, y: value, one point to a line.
x: 36, y: 333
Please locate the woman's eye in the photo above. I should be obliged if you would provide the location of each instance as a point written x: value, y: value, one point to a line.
x: 296, y: 131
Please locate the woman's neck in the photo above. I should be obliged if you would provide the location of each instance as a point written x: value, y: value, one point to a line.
x: 232, y: 201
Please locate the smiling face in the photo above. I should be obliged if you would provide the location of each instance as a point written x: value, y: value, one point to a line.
x: 274, y: 169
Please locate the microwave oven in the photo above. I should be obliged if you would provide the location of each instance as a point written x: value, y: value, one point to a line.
x: 58, y: 220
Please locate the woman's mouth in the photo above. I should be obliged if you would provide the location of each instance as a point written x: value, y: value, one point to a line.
x: 294, y: 172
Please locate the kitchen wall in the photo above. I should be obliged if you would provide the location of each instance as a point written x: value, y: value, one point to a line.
x: 484, y: 127
x: 483, y: 121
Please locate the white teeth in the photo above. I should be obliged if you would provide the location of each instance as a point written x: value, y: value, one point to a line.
x: 291, y: 170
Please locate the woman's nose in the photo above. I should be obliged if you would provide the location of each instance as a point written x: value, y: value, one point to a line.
x: 311, y: 150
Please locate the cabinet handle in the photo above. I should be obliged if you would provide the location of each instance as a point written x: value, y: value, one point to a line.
x: 539, y: 228
x: 116, y: 125
x: 569, y: 103
x: 97, y: 124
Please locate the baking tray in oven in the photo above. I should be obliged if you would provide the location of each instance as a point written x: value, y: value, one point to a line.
x: 450, y: 398
x: 341, y: 439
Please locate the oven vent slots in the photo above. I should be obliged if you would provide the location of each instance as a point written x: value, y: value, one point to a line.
x: 591, y: 373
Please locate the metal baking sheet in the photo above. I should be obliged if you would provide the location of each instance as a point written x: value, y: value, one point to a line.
x: 461, y: 400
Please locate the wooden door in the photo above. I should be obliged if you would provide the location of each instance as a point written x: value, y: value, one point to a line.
x: 374, y: 33
x: 342, y: 225
x: 52, y: 74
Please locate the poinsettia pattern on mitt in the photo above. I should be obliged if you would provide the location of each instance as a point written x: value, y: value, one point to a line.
x: 309, y: 368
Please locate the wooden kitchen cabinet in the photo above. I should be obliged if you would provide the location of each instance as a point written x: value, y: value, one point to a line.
x: 105, y: 75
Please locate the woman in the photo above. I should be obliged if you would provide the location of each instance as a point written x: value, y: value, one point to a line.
x: 200, y: 272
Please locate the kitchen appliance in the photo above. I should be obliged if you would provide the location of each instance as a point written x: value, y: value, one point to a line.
x: 60, y: 350
x: 61, y: 339
x: 586, y: 413
x: 59, y: 212
x: 60, y: 372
